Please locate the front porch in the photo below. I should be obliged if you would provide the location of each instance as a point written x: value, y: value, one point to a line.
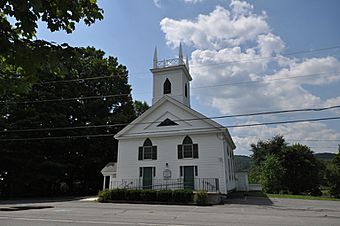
x: 204, y: 184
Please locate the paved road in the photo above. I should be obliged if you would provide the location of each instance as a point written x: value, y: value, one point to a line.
x: 235, y: 212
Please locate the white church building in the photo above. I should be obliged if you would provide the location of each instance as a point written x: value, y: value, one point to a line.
x: 172, y: 146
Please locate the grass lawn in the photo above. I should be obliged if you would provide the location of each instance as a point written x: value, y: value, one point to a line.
x: 264, y: 195
x: 308, y: 197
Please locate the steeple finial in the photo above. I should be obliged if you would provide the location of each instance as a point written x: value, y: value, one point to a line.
x: 187, y: 62
x: 155, y: 58
x: 180, y: 54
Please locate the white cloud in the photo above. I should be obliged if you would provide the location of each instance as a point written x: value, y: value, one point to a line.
x: 319, y: 136
x: 237, y: 45
x: 217, y: 30
x: 269, y: 44
x: 192, y: 1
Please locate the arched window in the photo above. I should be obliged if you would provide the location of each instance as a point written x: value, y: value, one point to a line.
x: 186, y: 90
x: 187, y: 140
x: 147, y: 151
x: 187, y: 149
x: 167, y: 87
x: 147, y: 142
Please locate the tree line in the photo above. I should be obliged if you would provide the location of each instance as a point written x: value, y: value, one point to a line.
x: 293, y: 169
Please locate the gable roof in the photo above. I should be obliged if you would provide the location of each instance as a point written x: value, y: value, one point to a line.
x: 188, y: 120
x: 111, y: 167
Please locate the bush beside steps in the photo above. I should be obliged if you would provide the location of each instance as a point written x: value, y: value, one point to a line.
x: 182, y: 196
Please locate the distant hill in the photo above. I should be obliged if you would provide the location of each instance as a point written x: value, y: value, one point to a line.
x: 242, y: 163
x: 324, y: 156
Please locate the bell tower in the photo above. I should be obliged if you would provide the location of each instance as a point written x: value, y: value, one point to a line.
x: 172, y: 78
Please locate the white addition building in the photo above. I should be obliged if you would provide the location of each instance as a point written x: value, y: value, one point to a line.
x: 171, y: 145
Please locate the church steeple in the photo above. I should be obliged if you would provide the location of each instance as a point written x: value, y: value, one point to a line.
x: 172, y: 78
x: 155, y: 58
x: 180, y: 53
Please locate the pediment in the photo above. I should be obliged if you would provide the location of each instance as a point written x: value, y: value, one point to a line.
x: 167, y: 110
x: 167, y: 117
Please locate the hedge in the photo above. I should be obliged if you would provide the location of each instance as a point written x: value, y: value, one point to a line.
x: 164, y: 196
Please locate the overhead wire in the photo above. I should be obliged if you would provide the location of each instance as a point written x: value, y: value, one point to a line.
x: 231, y: 126
x: 146, y: 72
x: 181, y: 130
x: 269, y: 57
x: 127, y: 94
x: 175, y: 120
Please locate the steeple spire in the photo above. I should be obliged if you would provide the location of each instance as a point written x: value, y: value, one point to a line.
x: 155, y: 58
x: 187, y: 62
x: 180, y: 53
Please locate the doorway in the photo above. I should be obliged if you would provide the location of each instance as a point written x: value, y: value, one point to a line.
x: 147, y: 177
x: 189, y: 177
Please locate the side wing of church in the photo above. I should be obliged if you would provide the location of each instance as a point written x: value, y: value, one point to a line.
x: 172, y: 146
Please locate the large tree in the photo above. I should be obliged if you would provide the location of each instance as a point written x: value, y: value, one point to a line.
x: 333, y: 175
x: 301, y: 169
x: 21, y: 57
x: 35, y: 160
x: 282, y: 167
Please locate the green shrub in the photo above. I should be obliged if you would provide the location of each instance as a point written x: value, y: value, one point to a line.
x: 133, y: 195
x: 164, y: 195
x: 201, y: 198
x: 118, y: 194
x: 104, y: 195
x: 148, y: 195
x: 183, y: 196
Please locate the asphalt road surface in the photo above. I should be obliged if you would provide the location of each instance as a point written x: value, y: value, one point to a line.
x: 252, y: 211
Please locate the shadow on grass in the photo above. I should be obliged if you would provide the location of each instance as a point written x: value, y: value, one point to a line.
x: 249, y: 198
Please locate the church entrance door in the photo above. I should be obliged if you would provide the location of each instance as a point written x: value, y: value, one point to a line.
x: 189, y: 177
x: 147, y: 178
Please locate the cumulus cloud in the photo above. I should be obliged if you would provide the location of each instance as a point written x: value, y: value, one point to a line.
x: 239, y: 56
x: 319, y: 137
x: 215, y: 31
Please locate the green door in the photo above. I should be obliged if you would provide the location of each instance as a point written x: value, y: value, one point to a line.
x: 189, y: 177
x: 147, y: 178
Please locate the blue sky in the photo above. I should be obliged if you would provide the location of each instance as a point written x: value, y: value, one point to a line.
x: 228, y: 42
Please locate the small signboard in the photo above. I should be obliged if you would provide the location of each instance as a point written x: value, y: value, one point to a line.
x: 167, y: 174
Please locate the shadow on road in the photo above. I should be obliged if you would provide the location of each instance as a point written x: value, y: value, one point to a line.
x: 248, y: 198
x: 38, y: 200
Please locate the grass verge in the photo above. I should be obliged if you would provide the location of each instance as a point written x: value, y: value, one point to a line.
x: 307, y: 197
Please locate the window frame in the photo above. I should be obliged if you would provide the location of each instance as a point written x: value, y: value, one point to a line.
x: 167, y: 87
x: 147, y: 151
x: 182, y: 152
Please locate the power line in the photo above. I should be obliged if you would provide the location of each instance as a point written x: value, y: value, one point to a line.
x: 288, y: 139
x: 268, y: 80
x: 283, y: 122
x: 179, y: 130
x: 63, y: 99
x: 146, y: 72
x: 198, y: 87
x: 268, y: 57
x: 58, y: 138
x: 81, y: 79
x: 251, y: 125
x: 176, y: 120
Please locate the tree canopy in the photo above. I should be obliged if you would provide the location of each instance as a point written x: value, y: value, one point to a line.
x: 21, y: 57
x: 285, y: 168
x: 55, y: 135
x: 140, y: 107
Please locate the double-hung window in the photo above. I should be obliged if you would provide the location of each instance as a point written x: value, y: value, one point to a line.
x: 187, y: 149
x: 147, y: 151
